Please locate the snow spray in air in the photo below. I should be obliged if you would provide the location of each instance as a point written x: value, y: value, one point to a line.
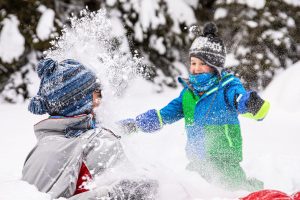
x: 92, y: 40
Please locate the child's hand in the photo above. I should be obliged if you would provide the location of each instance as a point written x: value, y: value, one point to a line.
x: 254, y: 103
x: 127, y: 126
x: 146, y: 122
x: 252, y: 106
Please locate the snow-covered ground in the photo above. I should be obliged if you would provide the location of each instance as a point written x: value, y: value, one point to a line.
x: 271, y: 149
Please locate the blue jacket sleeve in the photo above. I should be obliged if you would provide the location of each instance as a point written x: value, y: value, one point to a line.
x: 173, y: 111
x: 232, y: 91
x: 247, y: 103
x: 153, y: 120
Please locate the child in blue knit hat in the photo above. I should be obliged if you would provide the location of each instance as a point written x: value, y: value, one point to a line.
x: 66, y: 89
x: 72, y: 150
x: 210, y: 103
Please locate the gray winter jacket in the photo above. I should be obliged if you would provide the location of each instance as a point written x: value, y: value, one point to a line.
x: 53, y: 164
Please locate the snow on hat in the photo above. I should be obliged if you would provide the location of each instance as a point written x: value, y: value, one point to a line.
x: 66, y: 88
x: 209, y: 47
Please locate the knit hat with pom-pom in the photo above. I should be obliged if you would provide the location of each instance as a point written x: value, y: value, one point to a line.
x: 66, y: 88
x: 209, y: 48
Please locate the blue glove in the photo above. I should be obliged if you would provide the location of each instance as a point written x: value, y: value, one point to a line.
x: 250, y: 102
x: 252, y: 106
x: 149, y: 121
x: 127, y: 125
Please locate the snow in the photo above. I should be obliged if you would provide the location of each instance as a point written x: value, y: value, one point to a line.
x: 24, y: 191
x: 180, y: 12
x: 110, y: 2
x: 293, y: 2
x: 18, y: 78
x: 280, y: 93
x: 274, y: 158
x: 150, y: 16
x: 88, y: 41
x: 118, y: 31
x: 46, y: 23
x: 252, y: 24
x: 290, y: 22
x: 12, y: 93
x: 241, y: 50
x: 157, y: 44
x: 271, y: 150
x: 138, y: 32
x: 220, y: 13
x: 12, y: 43
x: 231, y: 60
x: 258, y: 4
x: 193, y: 3
x: 183, y: 70
x: 276, y: 36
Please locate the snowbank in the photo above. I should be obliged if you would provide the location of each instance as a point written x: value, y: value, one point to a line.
x: 284, y: 93
x: 270, y: 147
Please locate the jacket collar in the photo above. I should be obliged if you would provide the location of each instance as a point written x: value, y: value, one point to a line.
x: 68, y: 126
x: 225, y: 79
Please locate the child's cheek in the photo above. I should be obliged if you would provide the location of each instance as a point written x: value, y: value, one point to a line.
x: 199, y: 70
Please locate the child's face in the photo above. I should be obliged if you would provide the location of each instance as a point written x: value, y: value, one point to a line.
x: 96, y: 98
x: 198, y: 66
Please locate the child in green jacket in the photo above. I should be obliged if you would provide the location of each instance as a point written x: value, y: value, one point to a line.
x: 210, y: 103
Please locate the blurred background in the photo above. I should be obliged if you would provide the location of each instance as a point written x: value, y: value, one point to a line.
x: 152, y: 38
x: 262, y: 36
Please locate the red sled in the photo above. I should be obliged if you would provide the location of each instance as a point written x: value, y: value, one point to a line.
x: 271, y: 195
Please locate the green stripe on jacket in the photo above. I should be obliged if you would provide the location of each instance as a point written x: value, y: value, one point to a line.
x: 189, y: 101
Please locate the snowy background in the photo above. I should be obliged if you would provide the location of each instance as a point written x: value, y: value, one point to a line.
x: 271, y: 147
x: 271, y: 150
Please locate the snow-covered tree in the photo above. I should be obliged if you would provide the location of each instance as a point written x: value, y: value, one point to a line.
x: 260, y: 35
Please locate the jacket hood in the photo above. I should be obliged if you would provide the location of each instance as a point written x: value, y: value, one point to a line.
x: 63, y: 126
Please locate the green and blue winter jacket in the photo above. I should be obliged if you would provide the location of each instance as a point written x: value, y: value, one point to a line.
x: 211, y: 119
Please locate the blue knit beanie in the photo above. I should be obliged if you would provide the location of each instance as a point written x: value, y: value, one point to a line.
x: 66, y: 88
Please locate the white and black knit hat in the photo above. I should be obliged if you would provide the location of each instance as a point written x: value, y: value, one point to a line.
x: 209, y: 48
